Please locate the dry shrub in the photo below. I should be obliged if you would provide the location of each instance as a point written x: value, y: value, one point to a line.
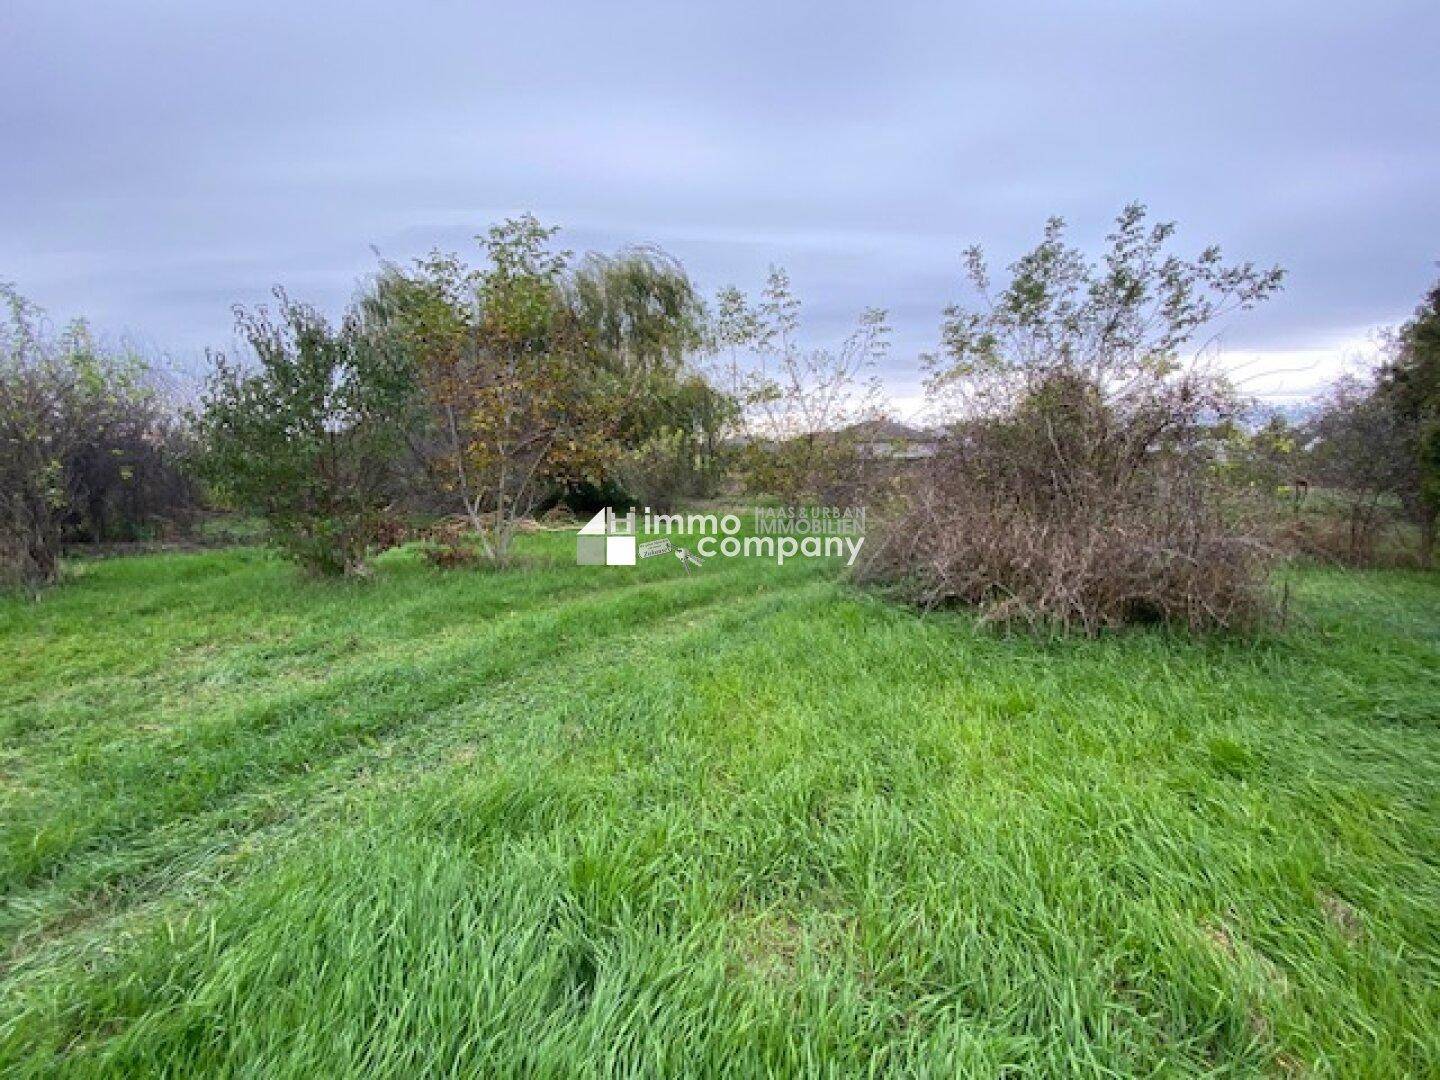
x: 1078, y: 486
x: 1063, y: 518
x: 1355, y: 539
x: 451, y: 544
x: 558, y: 517
x: 16, y: 568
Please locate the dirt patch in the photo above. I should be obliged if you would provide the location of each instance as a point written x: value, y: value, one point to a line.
x: 1219, y: 936
x: 1342, y: 916
x: 768, y: 946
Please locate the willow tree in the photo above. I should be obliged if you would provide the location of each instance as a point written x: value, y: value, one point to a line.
x: 534, y: 370
x: 644, y: 324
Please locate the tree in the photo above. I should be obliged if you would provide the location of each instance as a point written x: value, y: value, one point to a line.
x: 1267, y: 458
x: 309, y: 434
x: 130, y: 472
x: 643, y: 322
x: 1078, y: 486
x: 795, y: 401
x: 42, y: 390
x: 88, y: 447
x: 1359, y: 453
x: 1409, y: 382
x: 1377, y: 438
x: 535, y: 373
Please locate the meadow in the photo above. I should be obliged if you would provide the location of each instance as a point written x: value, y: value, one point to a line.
x: 744, y: 820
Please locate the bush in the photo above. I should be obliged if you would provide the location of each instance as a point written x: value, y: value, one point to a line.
x: 450, y: 544
x: 1078, y: 486
x: 1036, y: 520
x: 1337, y: 527
x: 88, y: 448
x: 311, y: 439
x: 664, y: 470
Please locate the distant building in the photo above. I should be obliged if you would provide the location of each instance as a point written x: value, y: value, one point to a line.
x: 890, y: 440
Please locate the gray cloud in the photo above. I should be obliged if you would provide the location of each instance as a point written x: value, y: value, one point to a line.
x: 167, y: 160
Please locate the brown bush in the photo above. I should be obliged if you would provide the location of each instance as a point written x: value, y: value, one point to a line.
x: 1078, y: 487
x: 450, y: 544
x: 1354, y: 537
x: 1070, y: 515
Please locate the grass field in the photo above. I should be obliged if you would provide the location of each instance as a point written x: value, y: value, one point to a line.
x: 594, y: 822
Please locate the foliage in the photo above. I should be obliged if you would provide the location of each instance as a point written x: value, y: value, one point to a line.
x: 88, y: 448
x: 450, y: 544
x: 795, y: 400
x: 1119, y: 326
x: 535, y: 373
x: 644, y: 322
x: 1358, y: 454
x: 1269, y: 458
x: 1078, y: 486
x: 667, y: 467
x: 738, y: 822
x: 40, y: 393
x: 1376, y: 439
x: 1410, y: 385
x: 131, y: 471
x: 641, y: 316
x: 308, y: 436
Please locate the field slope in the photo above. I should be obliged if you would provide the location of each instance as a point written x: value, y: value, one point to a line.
x: 745, y: 821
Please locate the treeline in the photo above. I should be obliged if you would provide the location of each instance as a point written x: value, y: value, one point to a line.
x: 481, y: 393
x: 1080, y: 471
x: 1362, y: 472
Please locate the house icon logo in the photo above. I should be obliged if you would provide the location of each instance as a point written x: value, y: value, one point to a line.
x: 607, y: 540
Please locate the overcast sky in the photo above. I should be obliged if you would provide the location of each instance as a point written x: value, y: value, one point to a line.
x: 166, y: 160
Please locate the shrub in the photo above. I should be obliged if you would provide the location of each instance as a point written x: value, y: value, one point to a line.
x: 88, y: 448
x: 1078, y: 486
x: 1033, y: 520
x: 663, y: 470
x: 310, y: 437
x: 41, y: 403
x: 450, y: 544
x: 1358, y: 536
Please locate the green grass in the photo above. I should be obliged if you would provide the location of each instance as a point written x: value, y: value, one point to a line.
x: 581, y: 821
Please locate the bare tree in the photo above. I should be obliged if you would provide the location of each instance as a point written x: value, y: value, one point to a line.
x: 795, y: 400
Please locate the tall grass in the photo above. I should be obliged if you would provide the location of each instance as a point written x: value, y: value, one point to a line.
x: 588, y: 821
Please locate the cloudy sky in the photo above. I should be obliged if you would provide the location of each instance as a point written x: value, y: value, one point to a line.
x: 166, y: 160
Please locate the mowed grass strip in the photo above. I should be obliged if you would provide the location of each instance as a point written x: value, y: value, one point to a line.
x: 579, y: 821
